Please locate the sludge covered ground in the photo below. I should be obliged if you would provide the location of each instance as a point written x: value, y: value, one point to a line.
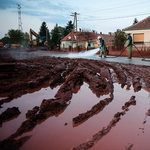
x: 63, y: 103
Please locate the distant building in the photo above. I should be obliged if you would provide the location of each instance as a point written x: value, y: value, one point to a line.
x: 86, y: 40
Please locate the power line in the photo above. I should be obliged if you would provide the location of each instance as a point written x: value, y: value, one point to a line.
x: 111, y: 8
x: 116, y: 17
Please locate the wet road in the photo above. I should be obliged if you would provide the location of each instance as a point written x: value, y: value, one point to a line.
x: 25, y: 54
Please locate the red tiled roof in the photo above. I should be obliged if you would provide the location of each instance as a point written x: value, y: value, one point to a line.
x: 143, y: 24
x: 82, y: 36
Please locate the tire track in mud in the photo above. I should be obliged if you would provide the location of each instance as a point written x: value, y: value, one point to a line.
x: 70, y: 75
x: 105, y: 130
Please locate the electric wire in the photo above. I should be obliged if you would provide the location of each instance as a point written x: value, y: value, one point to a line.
x: 116, y: 7
x: 116, y: 17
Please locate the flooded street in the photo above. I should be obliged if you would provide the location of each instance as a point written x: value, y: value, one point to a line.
x: 82, y: 104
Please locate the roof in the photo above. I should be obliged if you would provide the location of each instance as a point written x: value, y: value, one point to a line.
x: 143, y: 24
x: 82, y: 36
x: 107, y: 37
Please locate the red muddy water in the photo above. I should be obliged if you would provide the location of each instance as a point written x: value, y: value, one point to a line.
x: 58, y: 132
x: 73, y: 104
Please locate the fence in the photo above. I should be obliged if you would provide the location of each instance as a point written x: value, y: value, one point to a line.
x: 142, y: 46
x: 144, y: 49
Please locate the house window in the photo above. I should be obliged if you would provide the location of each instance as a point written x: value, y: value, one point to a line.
x: 138, y: 38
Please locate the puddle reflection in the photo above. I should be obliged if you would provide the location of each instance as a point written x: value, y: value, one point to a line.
x: 54, y: 131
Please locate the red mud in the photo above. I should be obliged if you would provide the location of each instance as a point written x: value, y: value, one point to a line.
x: 19, y: 77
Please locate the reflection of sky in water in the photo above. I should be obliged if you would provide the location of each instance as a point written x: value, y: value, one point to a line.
x: 53, y: 133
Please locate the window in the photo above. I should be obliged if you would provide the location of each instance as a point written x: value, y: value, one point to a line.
x: 138, y: 38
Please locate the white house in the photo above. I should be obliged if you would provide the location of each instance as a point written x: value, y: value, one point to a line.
x: 140, y: 32
x: 85, y: 40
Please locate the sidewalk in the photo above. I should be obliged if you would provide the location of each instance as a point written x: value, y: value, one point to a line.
x: 134, y: 60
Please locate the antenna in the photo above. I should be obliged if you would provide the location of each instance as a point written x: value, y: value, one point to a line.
x: 19, y: 18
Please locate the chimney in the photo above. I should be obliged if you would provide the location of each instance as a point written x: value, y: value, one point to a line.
x: 100, y: 33
x: 109, y: 33
x: 80, y: 29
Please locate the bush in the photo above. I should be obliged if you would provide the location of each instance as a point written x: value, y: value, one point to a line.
x: 120, y: 38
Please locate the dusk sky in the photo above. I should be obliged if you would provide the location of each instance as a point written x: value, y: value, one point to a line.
x: 103, y: 16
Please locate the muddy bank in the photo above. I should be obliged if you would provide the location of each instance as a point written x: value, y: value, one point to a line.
x: 19, y: 77
x: 9, y: 114
x: 26, y: 75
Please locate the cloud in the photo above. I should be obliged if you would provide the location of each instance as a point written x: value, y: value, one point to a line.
x: 7, y: 4
x: 9, y: 19
x: 33, y: 13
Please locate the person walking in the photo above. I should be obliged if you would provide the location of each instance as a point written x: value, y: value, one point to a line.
x: 102, y: 47
x: 129, y: 45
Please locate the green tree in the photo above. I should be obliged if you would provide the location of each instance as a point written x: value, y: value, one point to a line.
x: 68, y: 28
x: 16, y: 36
x: 120, y: 38
x: 57, y: 35
x: 61, y: 32
x: 43, y: 29
x: 5, y: 39
x: 44, y: 33
x: 135, y: 21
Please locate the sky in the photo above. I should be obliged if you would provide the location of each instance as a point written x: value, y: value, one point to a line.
x: 99, y: 15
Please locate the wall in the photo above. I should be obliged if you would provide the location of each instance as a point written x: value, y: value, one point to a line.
x: 146, y: 34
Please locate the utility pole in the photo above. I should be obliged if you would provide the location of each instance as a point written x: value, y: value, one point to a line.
x: 74, y: 27
x: 19, y: 18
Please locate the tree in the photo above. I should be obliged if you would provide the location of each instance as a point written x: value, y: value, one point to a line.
x: 120, y: 38
x: 61, y: 32
x: 68, y: 28
x: 135, y: 21
x: 43, y: 30
x: 44, y: 33
x: 55, y: 36
x: 5, y: 39
x: 15, y: 36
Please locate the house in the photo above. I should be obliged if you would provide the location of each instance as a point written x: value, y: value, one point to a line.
x: 140, y: 32
x: 84, y: 40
